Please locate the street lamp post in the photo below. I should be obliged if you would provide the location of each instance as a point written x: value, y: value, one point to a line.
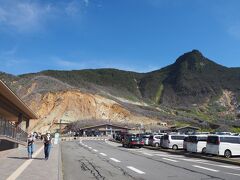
x: 60, y: 128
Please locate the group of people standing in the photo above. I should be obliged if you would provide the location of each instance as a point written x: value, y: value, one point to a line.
x: 47, y: 140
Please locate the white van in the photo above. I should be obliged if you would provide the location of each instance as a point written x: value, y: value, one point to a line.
x: 146, y: 139
x: 223, y: 145
x: 197, y: 143
x: 173, y: 141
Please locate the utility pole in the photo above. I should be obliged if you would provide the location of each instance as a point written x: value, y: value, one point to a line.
x: 60, y: 129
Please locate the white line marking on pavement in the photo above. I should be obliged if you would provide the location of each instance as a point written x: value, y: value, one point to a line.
x: 159, y: 152
x: 115, y: 160
x: 90, y: 147
x: 170, y: 156
x: 230, y: 167
x: 19, y: 170
x: 103, y: 154
x: 136, y: 150
x: 170, y: 160
x: 194, y: 160
x: 219, y: 165
x: 147, y: 154
x: 201, y: 167
x: 135, y: 170
x: 95, y: 150
x: 233, y: 174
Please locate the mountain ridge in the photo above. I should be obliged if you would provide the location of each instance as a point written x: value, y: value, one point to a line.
x: 192, y: 88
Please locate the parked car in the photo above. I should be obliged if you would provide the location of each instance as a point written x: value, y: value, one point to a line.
x: 119, y: 136
x: 140, y: 135
x: 155, y: 140
x: 161, y: 141
x: 223, y: 133
x: 197, y: 143
x: 185, y: 141
x: 131, y: 140
x: 173, y: 141
x: 146, y: 139
x: 223, y: 145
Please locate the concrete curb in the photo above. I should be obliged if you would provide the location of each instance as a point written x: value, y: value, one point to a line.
x: 60, y: 163
x: 195, y: 155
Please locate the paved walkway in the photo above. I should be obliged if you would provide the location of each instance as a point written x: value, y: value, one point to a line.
x: 14, y: 164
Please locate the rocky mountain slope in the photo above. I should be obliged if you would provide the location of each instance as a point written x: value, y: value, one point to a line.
x: 53, y: 100
x: 192, y: 90
x: 73, y: 105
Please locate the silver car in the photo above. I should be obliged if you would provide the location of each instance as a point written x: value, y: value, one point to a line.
x: 155, y: 140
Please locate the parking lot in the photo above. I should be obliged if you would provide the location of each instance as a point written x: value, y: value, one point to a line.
x: 103, y: 159
x: 206, y: 144
x: 233, y: 160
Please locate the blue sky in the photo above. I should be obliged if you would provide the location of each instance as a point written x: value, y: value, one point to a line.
x: 136, y: 35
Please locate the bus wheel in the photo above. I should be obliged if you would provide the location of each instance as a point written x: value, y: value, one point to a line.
x: 227, y: 153
x: 204, y: 150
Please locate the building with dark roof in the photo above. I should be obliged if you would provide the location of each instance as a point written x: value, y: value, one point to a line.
x: 102, y: 130
x: 184, y: 130
x: 15, y: 117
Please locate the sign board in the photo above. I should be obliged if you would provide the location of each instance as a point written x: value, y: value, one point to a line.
x: 56, y: 138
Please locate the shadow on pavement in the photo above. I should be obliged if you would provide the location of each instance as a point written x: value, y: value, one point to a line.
x: 128, y: 147
x: 25, y: 158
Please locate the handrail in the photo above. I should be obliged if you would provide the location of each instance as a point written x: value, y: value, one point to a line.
x: 9, y: 130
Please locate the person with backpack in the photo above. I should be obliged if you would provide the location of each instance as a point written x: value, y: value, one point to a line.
x: 30, y: 145
x: 47, y: 140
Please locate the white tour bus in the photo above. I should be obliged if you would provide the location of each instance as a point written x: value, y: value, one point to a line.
x: 223, y: 145
x: 197, y: 143
x: 173, y: 141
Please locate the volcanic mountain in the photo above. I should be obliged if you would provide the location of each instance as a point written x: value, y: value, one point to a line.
x: 192, y: 90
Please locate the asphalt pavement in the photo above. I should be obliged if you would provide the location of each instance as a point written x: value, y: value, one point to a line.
x: 100, y: 159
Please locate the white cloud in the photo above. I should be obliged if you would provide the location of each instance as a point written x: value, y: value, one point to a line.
x: 8, y: 58
x: 23, y: 16
x: 67, y: 64
x: 72, y: 8
x: 26, y: 15
x: 92, y: 64
x: 14, y: 62
x: 86, y: 2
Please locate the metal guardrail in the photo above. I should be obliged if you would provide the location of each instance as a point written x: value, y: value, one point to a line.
x: 71, y: 138
x: 8, y: 129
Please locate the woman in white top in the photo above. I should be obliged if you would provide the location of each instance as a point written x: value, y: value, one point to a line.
x: 47, y: 140
x: 30, y: 144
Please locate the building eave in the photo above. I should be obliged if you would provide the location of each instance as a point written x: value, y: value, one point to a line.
x: 14, y: 99
x: 90, y: 127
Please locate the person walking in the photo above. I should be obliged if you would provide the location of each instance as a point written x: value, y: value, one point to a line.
x: 47, y: 144
x: 30, y: 144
